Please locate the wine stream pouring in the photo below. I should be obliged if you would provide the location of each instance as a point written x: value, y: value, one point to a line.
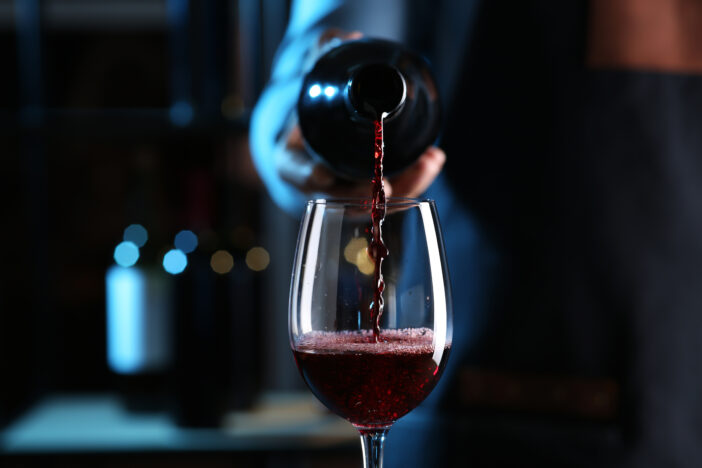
x: 362, y: 91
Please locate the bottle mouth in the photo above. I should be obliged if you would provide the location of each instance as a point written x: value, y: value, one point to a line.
x: 377, y: 90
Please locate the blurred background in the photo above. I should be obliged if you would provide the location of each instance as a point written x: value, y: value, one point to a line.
x: 145, y: 272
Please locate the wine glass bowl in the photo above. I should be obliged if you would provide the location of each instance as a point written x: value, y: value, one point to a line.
x: 370, y: 384
x: 370, y: 378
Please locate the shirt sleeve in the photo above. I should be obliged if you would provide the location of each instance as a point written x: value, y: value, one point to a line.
x: 274, y: 112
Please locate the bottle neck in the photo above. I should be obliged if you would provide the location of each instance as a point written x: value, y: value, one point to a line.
x: 377, y: 91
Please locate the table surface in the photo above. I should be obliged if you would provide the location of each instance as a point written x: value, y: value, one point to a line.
x: 101, y: 423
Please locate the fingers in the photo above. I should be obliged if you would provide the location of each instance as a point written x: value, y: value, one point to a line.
x: 415, y: 180
x: 320, y: 179
x: 388, y: 188
x: 297, y: 168
x: 294, y: 166
x: 336, y: 33
x: 349, y: 191
x: 294, y: 140
x: 353, y: 35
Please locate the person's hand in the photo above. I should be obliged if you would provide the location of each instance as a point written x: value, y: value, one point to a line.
x: 296, y: 167
x: 299, y: 169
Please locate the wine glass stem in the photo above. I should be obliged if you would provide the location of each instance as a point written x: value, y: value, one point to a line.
x: 372, y: 444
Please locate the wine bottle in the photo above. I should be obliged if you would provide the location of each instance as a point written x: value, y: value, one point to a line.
x: 357, y: 83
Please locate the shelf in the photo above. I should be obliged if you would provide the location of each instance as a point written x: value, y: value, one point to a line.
x: 80, y: 424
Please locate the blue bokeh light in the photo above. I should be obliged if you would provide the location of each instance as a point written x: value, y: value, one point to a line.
x: 186, y: 241
x: 181, y: 113
x: 126, y: 254
x: 315, y: 90
x: 175, y: 261
x: 330, y: 91
x: 137, y: 234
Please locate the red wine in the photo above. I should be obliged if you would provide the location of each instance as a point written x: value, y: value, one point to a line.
x: 370, y: 384
x: 377, y: 249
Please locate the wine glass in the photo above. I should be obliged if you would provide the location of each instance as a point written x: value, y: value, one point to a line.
x: 370, y: 359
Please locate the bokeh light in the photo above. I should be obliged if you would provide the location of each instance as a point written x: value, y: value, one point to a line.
x: 137, y: 234
x: 186, y: 241
x: 315, y: 90
x: 181, y: 113
x: 175, y: 261
x: 126, y: 254
x: 364, y: 263
x: 222, y: 262
x: 257, y: 259
x: 356, y: 252
x: 352, y: 248
x: 330, y: 91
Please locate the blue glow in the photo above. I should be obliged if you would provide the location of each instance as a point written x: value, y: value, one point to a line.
x: 125, y: 318
x: 92, y: 423
x: 175, y: 261
x: 330, y: 91
x: 126, y: 254
x: 181, y: 113
x: 315, y: 90
x: 137, y: 234
x: 186, y: 241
